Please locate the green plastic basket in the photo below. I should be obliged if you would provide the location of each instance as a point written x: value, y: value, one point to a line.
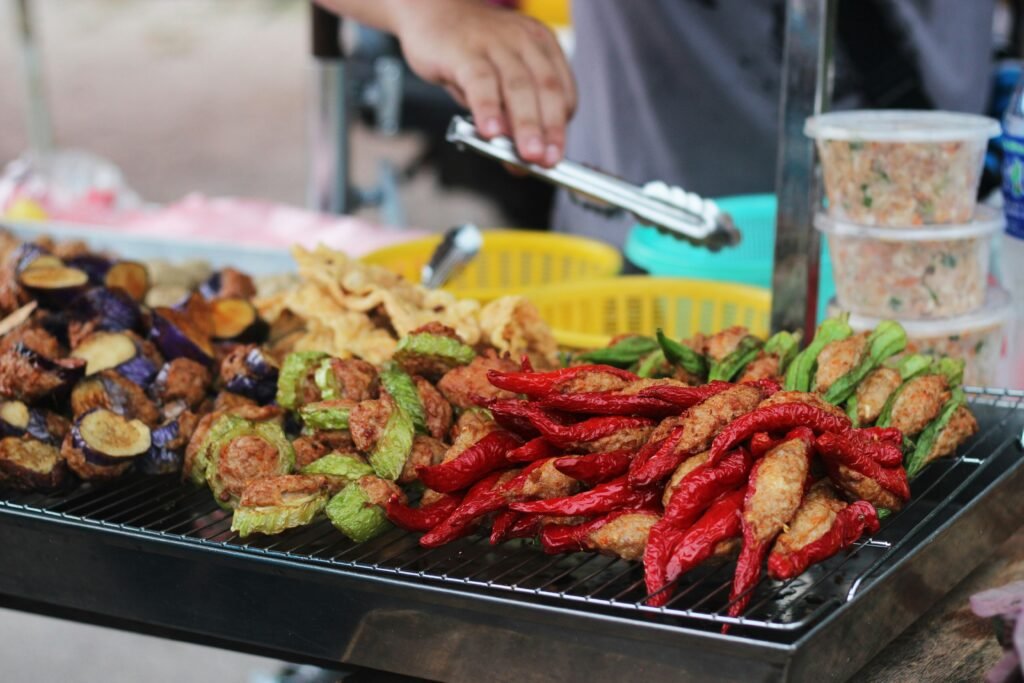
x: 750, y: 262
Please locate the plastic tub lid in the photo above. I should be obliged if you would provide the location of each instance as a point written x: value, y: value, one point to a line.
x: 900, y: 125
x: 997, y: 311
x: 987, y: 221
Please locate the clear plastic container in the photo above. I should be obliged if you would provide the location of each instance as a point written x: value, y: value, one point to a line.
x: 980, y: 338
x: 898, y: 168
x: 911, y: 273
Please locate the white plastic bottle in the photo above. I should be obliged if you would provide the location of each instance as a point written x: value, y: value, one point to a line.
x: 1011, y: 252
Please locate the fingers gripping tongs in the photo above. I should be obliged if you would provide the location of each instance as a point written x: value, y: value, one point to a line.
x: 671, y: 210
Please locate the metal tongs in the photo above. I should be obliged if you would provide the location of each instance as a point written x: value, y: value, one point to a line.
x: 680, y: 214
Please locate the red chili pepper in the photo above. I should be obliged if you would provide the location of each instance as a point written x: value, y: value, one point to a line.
x: 612, y: 495
x: 422, y: 518
x: 609, y: 403
x: 514, y: 415
x: 703, y: 485
x: 660, y: 465
x: 722, y: 521
x: 524, y: 363
x: 525, y: 526
x: 767, y: 385
x: 534, y: 449
x: 538, y: 384
x: 774, y: 418
x: 684, y: 397
x: 485, y: 496
x: 595, y: 468
x: 882, y: 444
x: 885, y: 434
x: 567, y: 436
x: 572, y: 538
x: 645, y: 453
x: 502, y: 526
x: 486, y: 455
x: 762, y: 442
x: 660, y: 541
x: 848, y: 449
x: 850, y: 524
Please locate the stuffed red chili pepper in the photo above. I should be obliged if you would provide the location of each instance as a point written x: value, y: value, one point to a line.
x: 853, y: 451
x: 595, y: 468
x: 486, y: 455
x: 612, y: 495
x: 590, y: 431
x: 609, y: 403
x: 775, y: 418
x: 539, y: 384
x: 535, y: 449
x: 423, y: 518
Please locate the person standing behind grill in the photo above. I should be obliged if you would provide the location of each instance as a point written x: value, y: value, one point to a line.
x: 684, y: 91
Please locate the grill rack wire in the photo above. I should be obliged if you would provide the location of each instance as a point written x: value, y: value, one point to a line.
x: 163, y: 508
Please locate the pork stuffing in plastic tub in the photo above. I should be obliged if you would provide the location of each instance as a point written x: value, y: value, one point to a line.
x: 979, y: 338
x: 911, y: 273
x: 901, y: 168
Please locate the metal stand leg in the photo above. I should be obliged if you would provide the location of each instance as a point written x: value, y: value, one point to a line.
x: 806, y: 90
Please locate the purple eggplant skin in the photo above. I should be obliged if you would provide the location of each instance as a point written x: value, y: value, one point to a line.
x: 258, y: 380
x: 168, y: 450
x: 112, y: 310
x: 111, y: 391
x: 91, y: 453
x: 140, y: 370
x: 26, y: 254
x: 94, y: 265
x: 175, y: 342
x: 41, y: 425
x: 160, y: 460
x: 48, y: 378
x: 210, y: 288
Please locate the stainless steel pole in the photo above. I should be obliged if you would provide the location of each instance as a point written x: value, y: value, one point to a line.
x: 37, y: 111
x: 328, y: 189
x: 806, y: 89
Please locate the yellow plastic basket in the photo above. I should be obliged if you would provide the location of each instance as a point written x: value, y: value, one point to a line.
x: 586, y: 315
x: 510, y: 262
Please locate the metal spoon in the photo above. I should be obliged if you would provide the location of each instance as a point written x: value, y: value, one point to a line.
x: 459, y: 246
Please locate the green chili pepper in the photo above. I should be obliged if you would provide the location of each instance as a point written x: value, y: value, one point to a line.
x: 394, y: 445
x: 886, y: 340
x: 326, y: 414
x: 352, y: 513
x: 683, y: 356
x: 650, y: 363
x: 917, y: 458
x: 851, y: 411
x: 403, y: 389
x: 733, y: 364
x: 950, y: 368
x: 909, y: 368
x: 801, y: 370
x: 293, y: 372
x: 784, y: 346
x: 623, y: 353
x: 883, y: 513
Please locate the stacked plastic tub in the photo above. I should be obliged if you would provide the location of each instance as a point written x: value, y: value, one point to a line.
x: 907, y: 239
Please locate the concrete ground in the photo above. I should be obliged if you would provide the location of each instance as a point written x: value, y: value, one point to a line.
x: 189, y: 95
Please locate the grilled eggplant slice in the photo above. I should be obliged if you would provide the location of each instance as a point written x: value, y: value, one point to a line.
x: 246, y: 452
x: 341, y: 469
x: 28, y: 375
x: 111, y: 391
x: 106, y: 438
x: 54, y: 286
x: 129, y: 277
x: 18, y: 419
x: 358, y: 511
x: 295, y: 381
x: 177, y: 336
x: 327, y: 414
x: 105, y: 350
x: 108, y: 309
x: 249, y: 371
x: 96, y: 266
x: 31, y: 255
x: 26, y: 463
x: 237, y: 320
x: 272, y: 505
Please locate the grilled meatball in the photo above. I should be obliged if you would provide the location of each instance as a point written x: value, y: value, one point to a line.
x: 279, y: 489
x: 720, y: 345
x: 782, y: 397
x: 367, y: 420
x: 548, y: 482
x: 437, y: 409
x: 815, y: 516
x: 765, y: 366
x: 777, y: 485
x: 379, y: 491
x: 629, y: 439
x: 244, y: 460
x: 587, y: 381
x: 426, y: 451
x: 685, y: 467
x: 838, y: 358
x: 919, y: 403
x: 311, y: 447
x: 468, y: 386
x: 962, y: 425
x: 471, y: 426
x: 625, y: 536
x: 665, y: 428
x: 702, y: 423
x: 874, y: 391
x: 22, y: 379
x: 859, y: 487
x: 186, y: 380
x: 356, y: 379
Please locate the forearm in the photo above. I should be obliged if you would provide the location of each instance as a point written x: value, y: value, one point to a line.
x: 376, y: 13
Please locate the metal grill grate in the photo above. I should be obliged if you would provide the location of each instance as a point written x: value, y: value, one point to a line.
x: 161, y: 507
